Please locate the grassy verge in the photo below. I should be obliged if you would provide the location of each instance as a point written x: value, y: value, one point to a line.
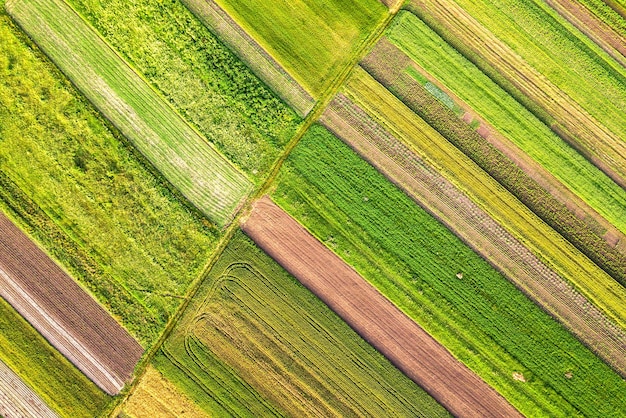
x: 481, y: 318
x: 311, y: 39
x: 199, y: 77
x: 255, y: 321
x: 184, y: 158
x: 59, y: 384
x: 69, y: 180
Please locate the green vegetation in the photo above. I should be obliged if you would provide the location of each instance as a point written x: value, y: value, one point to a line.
x: 482, y: 318
x: 299, y: 355
x: 61, y: 386
x: 199, y: 172
x: 198, y: 76
x: 67, y: 178
x: 441, y: 112
x: 311, y: 39
x: 510, y: 118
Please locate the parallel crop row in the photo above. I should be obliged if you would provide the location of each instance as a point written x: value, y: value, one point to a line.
x: 185, y: 159
x: 441, y: 283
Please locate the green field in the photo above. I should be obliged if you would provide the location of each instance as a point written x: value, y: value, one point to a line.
x: 252, y: 321
x: 69, y: 180
x: 482, y: 319
x: 59, y: 384
x: 198, y: 76
x: 311, y: 39
x: 509, y: 117
x: 186, y: 160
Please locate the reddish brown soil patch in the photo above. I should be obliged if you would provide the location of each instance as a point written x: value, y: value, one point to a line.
x: 69, y: 318
x: 374, y: 317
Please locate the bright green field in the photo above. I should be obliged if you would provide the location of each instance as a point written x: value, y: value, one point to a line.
x: 198, y: 76
x: 186, y: 160
x: 560, y: 53
x: 61, y: 385
x: 252, y: 321
x: 70, y: 181
x: 510, y: 118
x: 412, y: 259
x: 311, y: 39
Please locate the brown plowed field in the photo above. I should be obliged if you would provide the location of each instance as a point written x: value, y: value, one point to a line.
x: 18, y: 400
x: 66, y: 315
x: 376, y: 319
x: 476, y: 228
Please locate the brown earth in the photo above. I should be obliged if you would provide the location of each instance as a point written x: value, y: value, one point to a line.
x: 17, y: 400
x: 477, y: 229
x: 599, y: 32
x: 371, y: 315
x: 64, y: 313
x: 573, y: 123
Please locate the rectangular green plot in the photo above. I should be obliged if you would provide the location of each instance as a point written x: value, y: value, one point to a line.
x: 311, y: 39
x: 255, y: 342
x: 437, y: 280
x: 200, y: 173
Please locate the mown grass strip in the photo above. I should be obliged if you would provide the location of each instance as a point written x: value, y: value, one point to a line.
x: 184, y: 158
x: 311, y: 39
x: 411, y: 258
x: 71, y: 181
x: 293, y: 344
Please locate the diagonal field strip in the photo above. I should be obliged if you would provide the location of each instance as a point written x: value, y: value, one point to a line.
x: 474, y: 226
x: 373, y: 316
x: 18, y: 400
x: 209, y: 181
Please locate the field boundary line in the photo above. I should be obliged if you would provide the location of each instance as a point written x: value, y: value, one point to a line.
x: 360, y: 51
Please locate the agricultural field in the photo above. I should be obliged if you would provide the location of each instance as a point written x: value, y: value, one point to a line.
x: 557, y: 74
x: 52, y: 377
x: 92, y: 203
x: 509, y: 117
x: 312, y: 39
x: 481, y: 318
x: 369, y: 313
x: 312, y: 208
x: 302, y: 360
x: 199, y: 77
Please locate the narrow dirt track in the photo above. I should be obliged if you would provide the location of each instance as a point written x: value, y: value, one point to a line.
x: 67, y: 316
x: 371, y: 315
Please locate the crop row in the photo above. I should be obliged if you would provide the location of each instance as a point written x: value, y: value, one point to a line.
x: 455, y: 295
x: 17, y: 399
x: 547, y: 245
x: 93, y: 203
x: 184, y: 158
x: 500, y: 167
x: 450, y: 69
x: 250, y: 52
x: 589, y: 119
x: 256, y: 333
x: 198, y: 76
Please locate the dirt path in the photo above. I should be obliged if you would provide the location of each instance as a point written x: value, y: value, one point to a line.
x: 67, y: 316
x: 371, y: 315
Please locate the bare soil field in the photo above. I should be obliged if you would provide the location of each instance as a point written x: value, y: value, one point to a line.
x: 65, y: 314
x: 369, y: 313
x: 475, y: 227
x: 573, y: 123
x: 18, y: 400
